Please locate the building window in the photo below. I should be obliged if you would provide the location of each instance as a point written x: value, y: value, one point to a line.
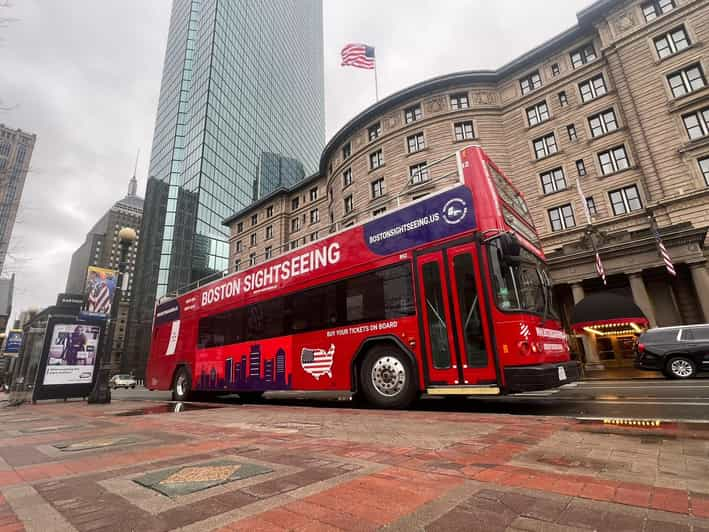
x: 531, y: 82
x: 254, y: 219
x: 268, y: 252
x: 671, y: 42
x: 380, y: 210
x: 269, y: 211
x: 562, y: 217
x: 413, y: 113
x: 294, y: 203
x: 346, y: 178
x: 374, y: 131
x: 591, y: 206
x: 581, y: 167
x: 459, y: 101
x: 592, y: 88
x: 378, y: 188
x: 583, y: 55
x: 349, y: 205
x: 545, y: 146
x: 625, y: 200
x: 697, y: 123
x: 376, y: 160
x: 563, y: 99
x: 239, y: 227
x: 602, y: 123
x: 555, y: 70
x: 464, y: 130
x: 704, y: 168
x: 252, y: 259
x: 613, y: 160
x: 252, y: 240
x: 237, y: 265
x: 314, y: 216
x: 269, y: 232
x: 238, y: 246
x: 293, y: 244
x: 687, y: 80
x: 536, y: 114
x: 655, y: 8
x: 553, y: 180
x: 314, y: 236
x: 571, y: 131
x: 418, y: 173
x: 346, y: 151
x: 415, y: 142
x: 295, y: 224
x: 313, y: 194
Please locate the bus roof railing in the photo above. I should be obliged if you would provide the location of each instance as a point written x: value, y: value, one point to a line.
x: 330, y: 229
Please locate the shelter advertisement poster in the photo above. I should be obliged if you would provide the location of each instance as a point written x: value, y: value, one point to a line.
x: 13, y: 342
x: 99, y: 290
x: 72, y: 354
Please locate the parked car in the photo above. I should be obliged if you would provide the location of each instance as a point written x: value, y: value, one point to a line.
x: 122, y: 381
x: 678, y: 352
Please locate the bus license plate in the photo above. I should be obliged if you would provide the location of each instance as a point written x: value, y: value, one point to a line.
x: 562, y: 373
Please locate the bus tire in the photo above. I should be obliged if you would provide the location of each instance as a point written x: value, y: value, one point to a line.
x: 387, y: 378
x: 182, y: 385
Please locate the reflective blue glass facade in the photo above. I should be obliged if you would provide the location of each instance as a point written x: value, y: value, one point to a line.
x: 241, y: 113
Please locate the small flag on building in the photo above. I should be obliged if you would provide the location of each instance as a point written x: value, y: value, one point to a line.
x: 662, y: 250
x: 600, y: 270
x: 358, y: 55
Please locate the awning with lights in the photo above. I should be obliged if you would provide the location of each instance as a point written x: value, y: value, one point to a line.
x: 607, y: 314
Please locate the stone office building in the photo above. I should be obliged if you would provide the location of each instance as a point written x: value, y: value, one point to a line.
x: 619, y: 103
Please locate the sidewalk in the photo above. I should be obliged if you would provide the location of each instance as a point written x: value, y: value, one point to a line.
x: 71, y: 466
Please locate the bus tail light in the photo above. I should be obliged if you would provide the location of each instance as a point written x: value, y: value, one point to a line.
x: 524, y: 348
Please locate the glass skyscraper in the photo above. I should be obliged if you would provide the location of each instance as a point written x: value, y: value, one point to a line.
x: 241, y: 112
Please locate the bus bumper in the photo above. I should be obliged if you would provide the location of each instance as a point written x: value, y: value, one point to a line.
x: 540, y: 376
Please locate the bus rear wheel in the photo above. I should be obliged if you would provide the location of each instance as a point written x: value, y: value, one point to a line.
x: 387, y: 378
x: 182, y: 385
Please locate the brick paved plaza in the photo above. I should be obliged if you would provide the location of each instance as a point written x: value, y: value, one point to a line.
x: 71, y: 466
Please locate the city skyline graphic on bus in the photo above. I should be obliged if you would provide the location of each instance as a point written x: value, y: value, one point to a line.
x: 255, y: 371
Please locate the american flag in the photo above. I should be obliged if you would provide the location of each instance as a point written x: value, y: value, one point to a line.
x: 100, y: 299
x: 358, y: 55
x: 317, y: 362
x: 600, y: 270
x: 669, y: 265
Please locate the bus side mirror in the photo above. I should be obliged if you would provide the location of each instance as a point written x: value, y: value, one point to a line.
x: 509, y: 244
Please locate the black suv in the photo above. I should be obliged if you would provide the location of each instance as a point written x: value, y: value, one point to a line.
x: 678, y: 352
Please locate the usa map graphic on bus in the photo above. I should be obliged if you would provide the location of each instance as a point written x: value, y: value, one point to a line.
x: 317, y: 362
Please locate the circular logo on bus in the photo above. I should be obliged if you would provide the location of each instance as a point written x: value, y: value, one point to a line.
x: 454, y: 210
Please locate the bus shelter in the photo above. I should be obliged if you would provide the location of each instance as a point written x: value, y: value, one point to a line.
x: 58, y: 357
x: 608, y: 324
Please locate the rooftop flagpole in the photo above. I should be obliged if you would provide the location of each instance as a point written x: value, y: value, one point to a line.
x: 376, y: 83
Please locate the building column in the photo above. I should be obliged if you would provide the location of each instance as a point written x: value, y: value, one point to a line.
x: 641, y: 297
x: 593, y: 363
x: 700, y: 276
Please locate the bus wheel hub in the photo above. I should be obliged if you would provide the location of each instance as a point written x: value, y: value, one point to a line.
x: 388, y: 376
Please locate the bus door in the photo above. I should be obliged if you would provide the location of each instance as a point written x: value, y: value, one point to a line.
x: 454, y: 321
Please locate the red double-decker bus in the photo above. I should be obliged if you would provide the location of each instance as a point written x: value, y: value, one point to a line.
x: 445, y: 295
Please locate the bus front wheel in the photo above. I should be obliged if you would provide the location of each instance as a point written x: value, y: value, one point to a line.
x: 182, y: 385
x: 387, y: 378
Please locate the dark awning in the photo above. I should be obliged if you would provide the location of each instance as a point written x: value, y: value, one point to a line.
x: 606, y: 310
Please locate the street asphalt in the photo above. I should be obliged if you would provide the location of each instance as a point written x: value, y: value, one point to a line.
x: 643, y: 398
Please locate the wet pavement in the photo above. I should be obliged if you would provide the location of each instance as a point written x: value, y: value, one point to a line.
x: 155, y: 465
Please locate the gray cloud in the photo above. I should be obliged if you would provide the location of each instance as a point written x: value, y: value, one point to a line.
x: 85, y: 77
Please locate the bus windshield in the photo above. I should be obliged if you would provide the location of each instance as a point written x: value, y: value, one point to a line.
x: 523, y: 285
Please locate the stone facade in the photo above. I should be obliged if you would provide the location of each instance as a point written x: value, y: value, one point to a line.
x: 16, y: 148
x: 619, y: 104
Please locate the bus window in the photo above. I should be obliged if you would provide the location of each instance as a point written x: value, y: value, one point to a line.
x: 440, y: 351
x: 469, y: 304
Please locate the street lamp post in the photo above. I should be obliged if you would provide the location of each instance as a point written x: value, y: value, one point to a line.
x: 101, y: 392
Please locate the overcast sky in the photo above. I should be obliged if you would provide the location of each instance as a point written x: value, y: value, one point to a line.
x: 84, y: 75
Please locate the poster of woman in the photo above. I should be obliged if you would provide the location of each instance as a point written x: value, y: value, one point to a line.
x: 72, y: 353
